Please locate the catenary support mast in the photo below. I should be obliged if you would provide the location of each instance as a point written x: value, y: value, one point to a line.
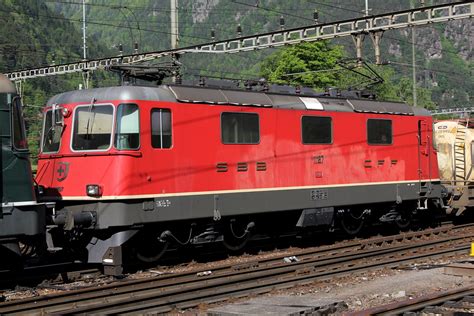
x: 84, y: 47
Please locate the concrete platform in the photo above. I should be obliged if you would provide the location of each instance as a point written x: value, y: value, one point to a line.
x: 280, y: 305
x: 359, y: 292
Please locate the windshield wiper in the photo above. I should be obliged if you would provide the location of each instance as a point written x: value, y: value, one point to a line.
x: 91, y: 106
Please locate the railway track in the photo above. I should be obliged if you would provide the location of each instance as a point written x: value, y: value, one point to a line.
x: 453, y: 302
x: 188, y: 289
x: 62, y: 271
x: 57, y: 272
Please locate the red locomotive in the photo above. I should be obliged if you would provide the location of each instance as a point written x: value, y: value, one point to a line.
x: 146, y: 166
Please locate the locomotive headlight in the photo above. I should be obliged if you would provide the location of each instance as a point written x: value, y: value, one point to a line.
x: 93, y: 190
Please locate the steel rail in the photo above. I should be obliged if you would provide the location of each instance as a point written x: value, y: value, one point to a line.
x: 182, y: 278
x: 352, y: 27
x: 255, y: 282
x: 44, y: 271
x: 169, y: 287
x: 416, y: 304
x: 337, y: 247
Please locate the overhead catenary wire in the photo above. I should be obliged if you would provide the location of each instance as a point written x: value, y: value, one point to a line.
x: 95, y: 23
x: 388, y: 37
x: 271, y: 10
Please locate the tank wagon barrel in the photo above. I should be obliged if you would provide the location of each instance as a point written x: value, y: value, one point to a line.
x: 454, y: 143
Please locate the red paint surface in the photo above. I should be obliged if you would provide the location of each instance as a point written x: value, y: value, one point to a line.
x: 190, y: 165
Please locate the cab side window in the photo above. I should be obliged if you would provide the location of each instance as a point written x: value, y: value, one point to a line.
x: 240, y: 128
x: 379, y: 132
x: 161, y: 130
x: 316, y: 130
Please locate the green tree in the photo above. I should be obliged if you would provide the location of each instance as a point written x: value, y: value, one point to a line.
x: 307, y: 64
x: 316, y: 65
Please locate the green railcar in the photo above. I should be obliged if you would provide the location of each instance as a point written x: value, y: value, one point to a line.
x: 22, y: 219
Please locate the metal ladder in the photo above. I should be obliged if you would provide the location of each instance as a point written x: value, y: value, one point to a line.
x: 460, y: 153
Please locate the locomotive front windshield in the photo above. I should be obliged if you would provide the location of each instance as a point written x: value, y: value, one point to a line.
x: 52, y: 130
x: 19, y: 134
x: 92, y: 127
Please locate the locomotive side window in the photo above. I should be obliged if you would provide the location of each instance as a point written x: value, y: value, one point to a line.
x: 161, y: 128
x: 92, y: 128
x: 316, y: 130
x: 51, y: 134
x: 379, y: 132
x: 127, y: 127
x: 240, y: 128
x: 19, y: 134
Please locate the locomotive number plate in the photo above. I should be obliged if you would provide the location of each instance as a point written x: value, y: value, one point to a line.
x: 318, y: 159
x: 319, y: 195
x: 163, y: 203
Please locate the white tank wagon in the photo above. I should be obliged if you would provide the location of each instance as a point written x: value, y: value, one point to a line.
x: 454, y: 143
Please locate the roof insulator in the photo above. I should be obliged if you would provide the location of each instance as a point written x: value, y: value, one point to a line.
x: 239, y: 30
x: 282, y: 22
x: 316, y: 16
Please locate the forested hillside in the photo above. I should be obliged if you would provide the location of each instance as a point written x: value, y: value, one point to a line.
x: 444, y: 52
x: 41, y: 32
x: 33, y: 35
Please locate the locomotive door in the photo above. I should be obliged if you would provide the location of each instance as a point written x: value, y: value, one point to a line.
x: 424, y: 139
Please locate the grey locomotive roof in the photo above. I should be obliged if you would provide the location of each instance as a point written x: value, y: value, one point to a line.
x: 6, y: 86
x: 187, y: 94
x: 360, y: 105
x: 113, y: 93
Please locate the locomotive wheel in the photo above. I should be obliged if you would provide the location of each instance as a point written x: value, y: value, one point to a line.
x: 233, y: 244
x: 149, y: 249
x: 236, y: 240
x: 404, y: 222
x: 352, y: 221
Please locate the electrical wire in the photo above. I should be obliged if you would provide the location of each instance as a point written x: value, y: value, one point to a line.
x: 237, y: 2
x: 393, y: 38
x: 271, y: 10
x: 94, y: 23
